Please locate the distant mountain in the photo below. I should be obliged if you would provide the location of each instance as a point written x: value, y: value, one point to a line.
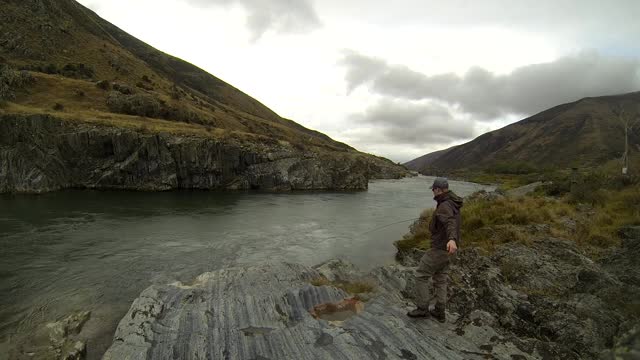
x: 583, y: 133
x: 424, y: 160
x: 60, y: 59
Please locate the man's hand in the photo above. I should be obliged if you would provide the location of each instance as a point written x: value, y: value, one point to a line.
x: 452, y: 247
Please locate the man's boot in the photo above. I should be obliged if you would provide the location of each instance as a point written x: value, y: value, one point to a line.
x: 439, y: 313
x: 418, y: 313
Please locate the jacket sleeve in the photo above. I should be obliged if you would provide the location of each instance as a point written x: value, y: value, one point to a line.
x: 447, y: 217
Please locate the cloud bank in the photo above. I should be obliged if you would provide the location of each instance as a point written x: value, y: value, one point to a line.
x: 411, y: 123
x: 485, y: 95
x: 281, y: 16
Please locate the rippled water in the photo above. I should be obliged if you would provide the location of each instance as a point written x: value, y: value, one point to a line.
x: 97, y: 250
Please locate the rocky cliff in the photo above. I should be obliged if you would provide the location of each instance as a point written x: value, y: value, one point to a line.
x: 40, y: 153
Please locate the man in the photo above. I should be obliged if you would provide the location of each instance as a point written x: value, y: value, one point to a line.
x: 434, y: 265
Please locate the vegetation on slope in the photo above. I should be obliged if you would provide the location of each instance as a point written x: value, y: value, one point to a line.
x: 586, y: 133
x: 116, y: 79
x: 588, y: 208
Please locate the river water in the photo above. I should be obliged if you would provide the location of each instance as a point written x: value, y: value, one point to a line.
x: 70, y: 251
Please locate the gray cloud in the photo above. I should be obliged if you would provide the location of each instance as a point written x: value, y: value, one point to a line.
x: 614, y: 23
x: 403, y: 122
x: 282, y: 16
x: 526, y: 90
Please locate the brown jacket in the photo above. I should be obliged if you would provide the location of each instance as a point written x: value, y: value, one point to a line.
x: 446, y: 220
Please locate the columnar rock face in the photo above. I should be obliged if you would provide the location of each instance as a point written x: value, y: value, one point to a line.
x: 265, y: 312
x: 39, y: 153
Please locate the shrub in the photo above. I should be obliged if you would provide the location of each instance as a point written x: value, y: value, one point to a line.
x: 175, y: 92
x: 78, y: 71
x: 58, y: 107
x: 123, y: 89
x: 51, y: 69
x: 586, y: 194
x: 104, y: 85
x: 181, y: 113
x: 144, y: 86
x: 137, y: 104
x: 11, y: 80
x: 78, y: 93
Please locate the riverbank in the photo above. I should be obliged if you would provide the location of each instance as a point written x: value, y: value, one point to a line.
x: 511, y: 278
x: 561, y: 271
x: 543, y: 297
x: 552, y: 303
x: 85, y: 250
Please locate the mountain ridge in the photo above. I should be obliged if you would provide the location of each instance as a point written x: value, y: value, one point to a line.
x: 583, y: 133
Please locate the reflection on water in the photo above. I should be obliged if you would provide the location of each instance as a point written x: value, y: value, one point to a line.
x: 90, y: 250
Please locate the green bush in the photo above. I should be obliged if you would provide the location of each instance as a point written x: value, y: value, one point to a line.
x: 136, y: 104
x: 11, y: 80
x: 144, y: 86
x: 123, y: 89
x: 78, y: 71
x: 104, y: 85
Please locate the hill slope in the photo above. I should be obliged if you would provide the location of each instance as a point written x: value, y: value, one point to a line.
x: 578, y: 134
x: 83, y: 69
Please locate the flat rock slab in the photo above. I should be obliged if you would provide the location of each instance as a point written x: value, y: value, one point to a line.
x: 263, y: 312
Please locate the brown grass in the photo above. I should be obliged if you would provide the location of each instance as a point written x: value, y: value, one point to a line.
x: 488, y: 223
x: 218, y: 120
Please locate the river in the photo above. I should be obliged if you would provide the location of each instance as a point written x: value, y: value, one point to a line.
x: 69, y: 251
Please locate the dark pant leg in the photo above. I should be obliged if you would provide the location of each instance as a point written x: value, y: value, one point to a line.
x: 432, y: 271
x: 440, y: 280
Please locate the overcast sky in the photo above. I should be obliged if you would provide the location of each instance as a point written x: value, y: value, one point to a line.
x: 399, y: 79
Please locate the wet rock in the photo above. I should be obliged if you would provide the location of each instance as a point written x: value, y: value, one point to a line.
x: 57, y: 340
x: 338, y: 270
x: 267, y: 311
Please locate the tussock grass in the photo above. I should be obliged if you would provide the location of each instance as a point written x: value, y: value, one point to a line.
x: 598, y: 204
x: 601, y: 224
x: 487, y: 223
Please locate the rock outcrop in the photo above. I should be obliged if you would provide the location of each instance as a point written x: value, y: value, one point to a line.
x: 40, y: 153
x: 58, y: 340
x: 272, y: 311
x: 548, y: 297
x: 544, y: 300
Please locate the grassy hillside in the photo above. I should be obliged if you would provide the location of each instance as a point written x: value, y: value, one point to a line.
x: 581, y: 134
x: 81, y: 67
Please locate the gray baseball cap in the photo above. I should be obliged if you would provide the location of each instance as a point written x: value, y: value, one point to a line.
x: 440, y: 183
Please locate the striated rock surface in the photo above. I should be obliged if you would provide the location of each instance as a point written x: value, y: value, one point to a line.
x: 40, y: 153
x: 272, y: 311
